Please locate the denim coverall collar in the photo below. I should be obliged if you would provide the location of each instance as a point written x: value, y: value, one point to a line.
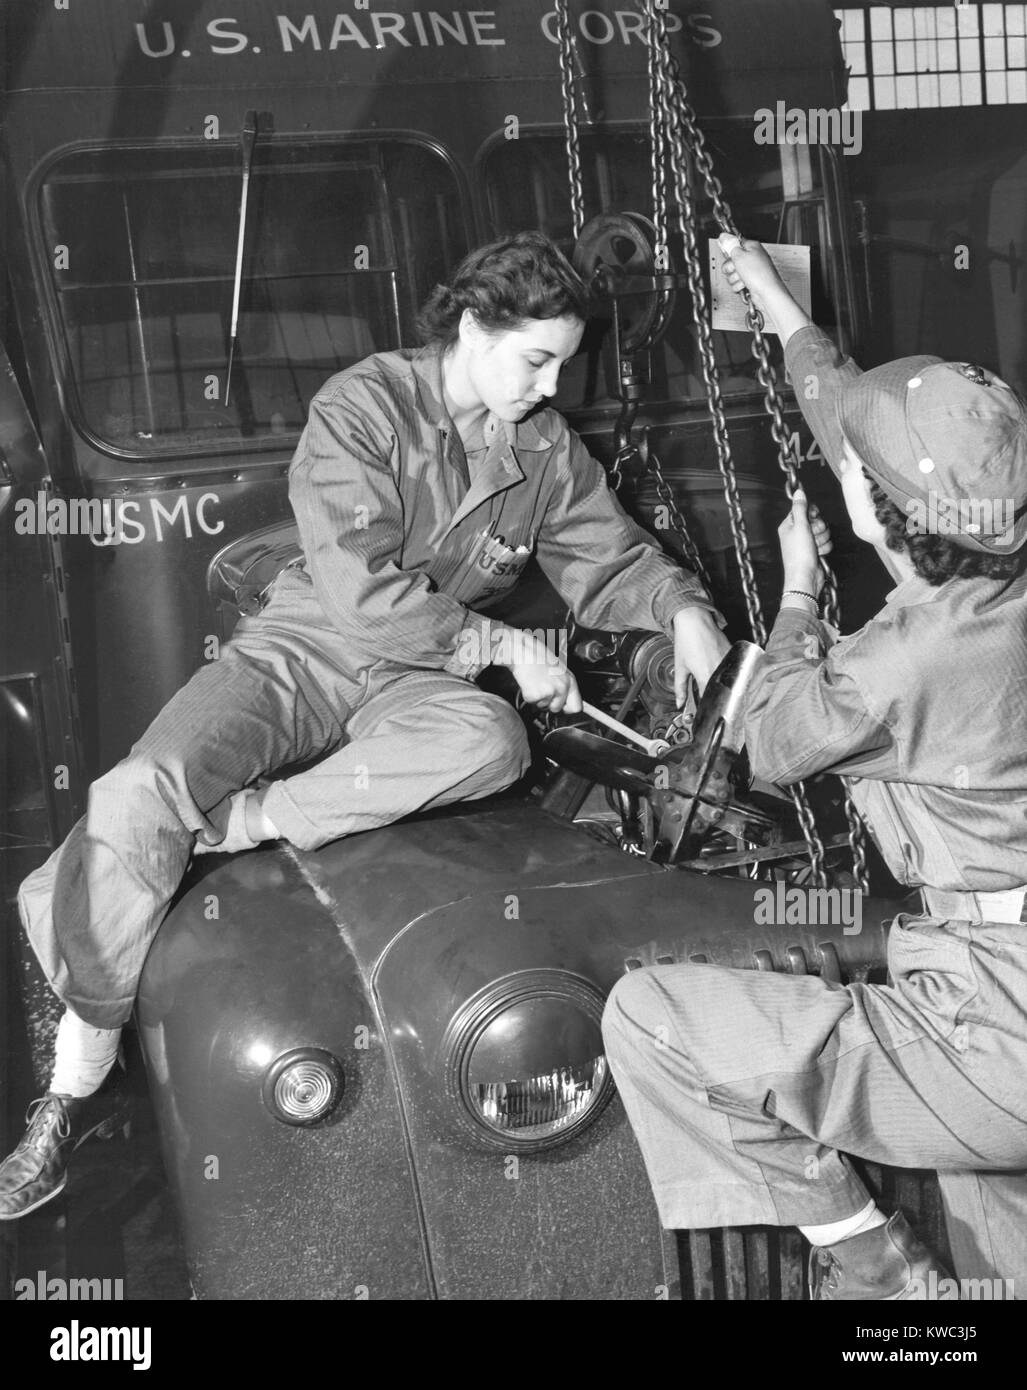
x: 427, y: 368
x: 909, y: 592
x: 500, y: 468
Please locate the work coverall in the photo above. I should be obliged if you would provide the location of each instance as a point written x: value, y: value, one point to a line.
x: 364, y: 657
x: 744, y: 1087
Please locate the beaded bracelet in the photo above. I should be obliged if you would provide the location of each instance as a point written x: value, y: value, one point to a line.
x: 802, y: 594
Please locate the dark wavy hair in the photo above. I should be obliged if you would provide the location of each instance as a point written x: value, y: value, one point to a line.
x: 938, y: 558
x: 503, y: 284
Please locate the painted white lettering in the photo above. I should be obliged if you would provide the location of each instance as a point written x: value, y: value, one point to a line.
x: 144, y: 41
x: 480, y: 20
x: 393, y: 24
x: 345, y: 30
x: 630, y: 25
x: 236, y: 41
x: 596, y: 26
x: 307, y: 31
x: 202, y: 520
x: 158, y: 512
x: 456, y: 29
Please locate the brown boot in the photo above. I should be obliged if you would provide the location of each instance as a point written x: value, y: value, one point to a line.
x: 888, y: 1262
x: 37, y: 1170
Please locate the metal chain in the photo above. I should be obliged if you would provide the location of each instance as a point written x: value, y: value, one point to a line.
x: 707, y: 359
x: 675, y: 137
x: 570, y: 114
x: 658, y: 146
x: 688, y: 546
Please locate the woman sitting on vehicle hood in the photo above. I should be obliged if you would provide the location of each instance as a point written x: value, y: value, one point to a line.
x: 421, y: 485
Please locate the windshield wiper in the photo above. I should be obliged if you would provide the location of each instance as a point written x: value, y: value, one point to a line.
x: 249, y: 139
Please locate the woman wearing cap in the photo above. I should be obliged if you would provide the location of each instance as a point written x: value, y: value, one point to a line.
x: 422, y: 483
x: 923, y: 712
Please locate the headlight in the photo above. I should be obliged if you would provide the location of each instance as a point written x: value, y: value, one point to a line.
x: 525, y: 1059
x: 303, y: 1086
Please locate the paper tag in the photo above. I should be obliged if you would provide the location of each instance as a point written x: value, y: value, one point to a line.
x: 729, y: 309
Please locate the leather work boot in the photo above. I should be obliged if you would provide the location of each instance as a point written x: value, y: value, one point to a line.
x: 37, y: 1170
x: 888, y: 1262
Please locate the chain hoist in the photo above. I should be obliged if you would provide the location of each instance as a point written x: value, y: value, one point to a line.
x: 568, y: 91
x: 675, y: 134
x: 687, y: 222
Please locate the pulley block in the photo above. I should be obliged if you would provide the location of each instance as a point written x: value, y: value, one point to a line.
x: 616, y: 257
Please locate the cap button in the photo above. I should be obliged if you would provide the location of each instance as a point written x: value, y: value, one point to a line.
x: 926, y: 465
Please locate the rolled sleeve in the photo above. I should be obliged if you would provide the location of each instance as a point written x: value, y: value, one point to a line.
x: 819, y: 373
x: 350, y: 518
x: 807, y: 712
x: 606, y: 568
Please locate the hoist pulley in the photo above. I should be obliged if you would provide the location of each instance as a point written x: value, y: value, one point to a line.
x: 616, y: 257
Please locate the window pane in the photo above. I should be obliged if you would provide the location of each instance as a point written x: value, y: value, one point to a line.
x: 342, y: 244
x: 883, y: 58
x: 856, y: 58
x: 884, y: 93
x: 927, y: 90
x: 859, y: 94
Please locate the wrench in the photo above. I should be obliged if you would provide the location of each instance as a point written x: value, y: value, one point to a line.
x: 655, y: 747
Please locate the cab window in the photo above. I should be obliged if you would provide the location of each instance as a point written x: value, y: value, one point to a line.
x: 776, y: 193
x: 342, y: 243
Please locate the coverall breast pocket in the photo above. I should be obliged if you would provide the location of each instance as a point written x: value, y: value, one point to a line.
x: 931, y: 965
x: 495, y: 566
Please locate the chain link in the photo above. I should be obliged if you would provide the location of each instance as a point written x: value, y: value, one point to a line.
x: 688, y: 546
x: 675, y: 133
x: 570, y: 114
x: 679, y: 108
x: 680, y: 120
x: 707, y: 354
x: 658, y: 147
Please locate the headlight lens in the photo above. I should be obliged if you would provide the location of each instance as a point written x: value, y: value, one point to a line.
x: 303, y: 1086
x: 525, y: 1059
x: 542, y: 1105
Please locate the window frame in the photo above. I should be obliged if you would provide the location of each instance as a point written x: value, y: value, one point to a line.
x: 196, y: 457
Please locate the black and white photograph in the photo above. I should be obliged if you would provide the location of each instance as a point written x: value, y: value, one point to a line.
x: 513, y: 666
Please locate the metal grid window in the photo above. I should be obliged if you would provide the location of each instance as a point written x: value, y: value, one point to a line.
x: 914, y: 56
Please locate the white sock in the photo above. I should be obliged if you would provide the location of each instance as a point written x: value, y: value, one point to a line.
x: 84, y: 1056
x: 864, y: 1220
